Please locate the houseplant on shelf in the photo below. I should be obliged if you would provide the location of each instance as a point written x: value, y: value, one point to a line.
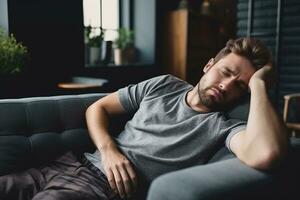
x: 12, y: 55
x: 93, y: 42
x: 124, y: 51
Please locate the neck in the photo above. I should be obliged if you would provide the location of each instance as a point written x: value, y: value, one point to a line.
x: 193, y: 101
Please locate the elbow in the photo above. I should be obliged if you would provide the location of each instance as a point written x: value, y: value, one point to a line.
x: 268, y: 159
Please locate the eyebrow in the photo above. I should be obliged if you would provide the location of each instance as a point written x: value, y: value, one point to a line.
x: 231, y: 71
x: 245, y: 85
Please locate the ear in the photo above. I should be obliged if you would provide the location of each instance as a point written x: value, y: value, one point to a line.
x: 209, y: 64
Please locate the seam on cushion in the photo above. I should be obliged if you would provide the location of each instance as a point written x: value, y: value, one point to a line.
x: 59, y: 105
x: 27, y: 123
x: 84, y: 106
x: 61, y: 127
x: 83, y: 101
x: 31, y: 144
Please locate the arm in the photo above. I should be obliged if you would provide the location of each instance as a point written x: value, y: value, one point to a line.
x: 265, y: 140
x: 119, y: 171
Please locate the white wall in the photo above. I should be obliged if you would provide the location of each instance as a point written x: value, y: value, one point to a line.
x: 145, y: 29
x: 3, y: 15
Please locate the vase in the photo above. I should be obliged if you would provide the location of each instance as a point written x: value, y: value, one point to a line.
x: 118, y: 56
x: 106, y: 51
x: 129, y: 55
x: 124, y: 56
x: 94, y: 55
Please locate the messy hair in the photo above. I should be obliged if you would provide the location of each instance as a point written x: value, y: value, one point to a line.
x: 252, y: 49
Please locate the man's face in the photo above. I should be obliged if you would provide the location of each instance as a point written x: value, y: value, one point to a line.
x: 224, y: 82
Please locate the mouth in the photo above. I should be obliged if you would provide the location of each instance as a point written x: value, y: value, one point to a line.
x: 217, y: 94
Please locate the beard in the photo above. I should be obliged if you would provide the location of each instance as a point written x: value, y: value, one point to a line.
x: 208, y: 100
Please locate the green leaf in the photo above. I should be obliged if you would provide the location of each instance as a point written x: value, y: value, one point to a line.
x: 12, y: 54
x: 125, y: 38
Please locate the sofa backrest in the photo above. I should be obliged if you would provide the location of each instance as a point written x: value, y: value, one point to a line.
x: 240, y: 111
x: 36, y: 130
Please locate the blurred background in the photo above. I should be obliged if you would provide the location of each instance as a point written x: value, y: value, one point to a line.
x: 84, y: 46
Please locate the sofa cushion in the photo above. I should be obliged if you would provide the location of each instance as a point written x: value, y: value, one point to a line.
x: 36, y: 130
x: 14, y: 151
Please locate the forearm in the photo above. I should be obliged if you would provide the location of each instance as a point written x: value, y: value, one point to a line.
x: 266, y: 136
x: 98, y: 121
x: 120, y: 174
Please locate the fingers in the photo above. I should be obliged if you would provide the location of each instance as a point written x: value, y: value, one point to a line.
x: 122, y: 179
x: 269, y: 76
x: 111, y: 181
x: 126, y: 182
x: 119, y: 183
x: 132, y: 176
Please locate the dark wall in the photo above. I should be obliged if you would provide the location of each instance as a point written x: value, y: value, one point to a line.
x: 53, y: 32
x: 278, y: 26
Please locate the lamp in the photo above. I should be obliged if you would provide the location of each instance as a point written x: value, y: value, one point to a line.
x: 205, y: 8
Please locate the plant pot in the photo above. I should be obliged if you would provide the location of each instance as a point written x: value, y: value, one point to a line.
x: 95, y: 54
x: 129, y: 56
x: 106, y: 51
x: 118, y: 56
x: 124, y: 56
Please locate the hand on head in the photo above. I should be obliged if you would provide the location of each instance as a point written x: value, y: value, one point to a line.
x: 265, y: 74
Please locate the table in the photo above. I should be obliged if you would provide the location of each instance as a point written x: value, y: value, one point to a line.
x: 82, y: 84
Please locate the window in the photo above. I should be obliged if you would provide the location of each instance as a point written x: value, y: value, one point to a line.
x: 3, y: 16
x: 110, y: 15
x: 101, y: 20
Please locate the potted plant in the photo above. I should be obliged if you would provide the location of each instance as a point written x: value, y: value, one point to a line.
x: 93, y: 42
x: 12, y: 55
x: 124, y: 50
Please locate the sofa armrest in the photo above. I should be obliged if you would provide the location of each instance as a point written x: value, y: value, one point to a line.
x: 218, y: 180
x: 227, y: 178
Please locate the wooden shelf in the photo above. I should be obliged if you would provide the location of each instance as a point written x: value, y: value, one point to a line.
x: 190, y: 40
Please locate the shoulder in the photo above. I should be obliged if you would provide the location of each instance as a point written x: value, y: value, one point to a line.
x: 166, y: 78
x: 222, y: 120
x: 168, y: 81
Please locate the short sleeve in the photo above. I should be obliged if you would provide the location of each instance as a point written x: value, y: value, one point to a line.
x: 131, y: 96
x: 233, y: 132
x: 228, y: 127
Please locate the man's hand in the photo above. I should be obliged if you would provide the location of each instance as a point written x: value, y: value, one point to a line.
x: 265, y: 74
x: 119, y: 172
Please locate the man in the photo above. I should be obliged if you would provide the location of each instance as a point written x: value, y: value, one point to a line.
x: 174, y: 126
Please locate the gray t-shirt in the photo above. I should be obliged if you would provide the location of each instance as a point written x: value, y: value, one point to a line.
x: 165, y: 134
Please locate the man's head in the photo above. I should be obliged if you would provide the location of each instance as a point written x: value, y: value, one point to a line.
x: 226, y: 77
x: 252, y: 49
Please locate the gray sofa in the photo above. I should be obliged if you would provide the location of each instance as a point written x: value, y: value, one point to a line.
x: 36, y: 130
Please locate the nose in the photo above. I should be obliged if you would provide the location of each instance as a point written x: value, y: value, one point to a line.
x: 222, y: 86
x: 226, y: 84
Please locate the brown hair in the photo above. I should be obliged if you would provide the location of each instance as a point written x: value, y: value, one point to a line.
x: 252, y: 49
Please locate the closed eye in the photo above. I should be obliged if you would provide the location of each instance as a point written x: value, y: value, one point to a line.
x: 226, y: 73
